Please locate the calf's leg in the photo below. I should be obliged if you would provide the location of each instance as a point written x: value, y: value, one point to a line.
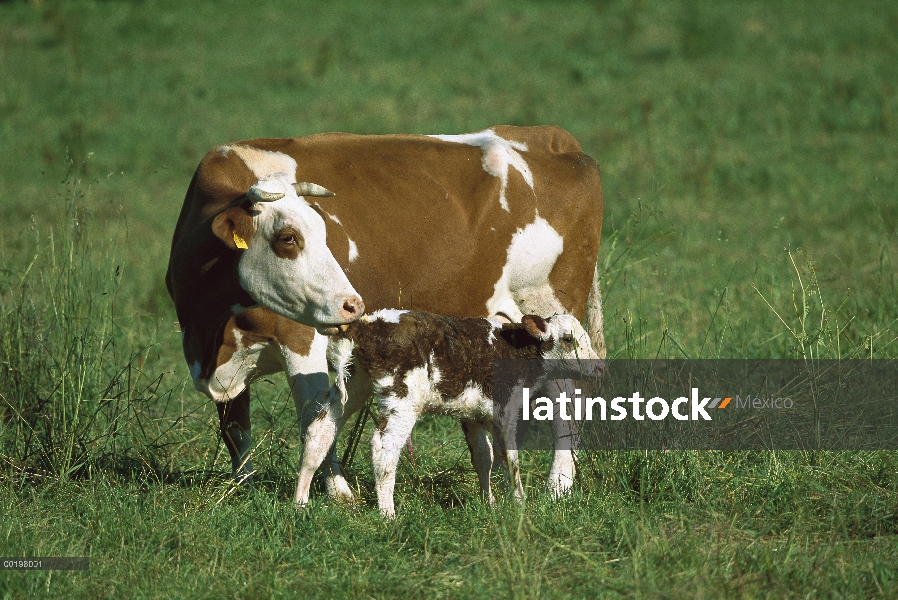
x: 481, y: 455
x: 386, y: 445
x: 509, y: 460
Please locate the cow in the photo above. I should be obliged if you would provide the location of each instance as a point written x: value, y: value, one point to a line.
x: 281, y: 241
x: 415, y: 362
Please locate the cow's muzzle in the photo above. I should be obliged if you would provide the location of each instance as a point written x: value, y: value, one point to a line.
x: 350, y: 311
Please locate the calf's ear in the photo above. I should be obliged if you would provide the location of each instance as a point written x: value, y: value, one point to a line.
x: 535, y: 326
x: 234, y: 227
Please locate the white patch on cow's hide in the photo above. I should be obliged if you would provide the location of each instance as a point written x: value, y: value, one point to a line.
x: 435, y: 375
x: 470, y: 404
x: 420, y: 388
x: 383, y: 383
x: 264, y: 163
x: 353, y: 249
x: 231, y: 378
x: 387, y: 315
x: 524, y: 282
x: 404, y: 411
x: 498, y: 155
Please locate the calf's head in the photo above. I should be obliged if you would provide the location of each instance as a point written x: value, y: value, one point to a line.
x: 568, y: 342
x: 285, y: 264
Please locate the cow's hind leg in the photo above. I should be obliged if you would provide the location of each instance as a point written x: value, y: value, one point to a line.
x: 233, y: 416
x: 509, y: 460
x: 481, y: 455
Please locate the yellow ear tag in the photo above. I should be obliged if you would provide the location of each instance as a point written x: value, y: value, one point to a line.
x: 240, y: 242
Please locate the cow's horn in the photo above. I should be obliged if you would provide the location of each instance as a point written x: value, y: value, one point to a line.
x: 307, y: 188
x: 258, y: 195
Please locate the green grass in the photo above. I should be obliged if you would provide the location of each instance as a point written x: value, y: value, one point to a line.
x: 748, y: 153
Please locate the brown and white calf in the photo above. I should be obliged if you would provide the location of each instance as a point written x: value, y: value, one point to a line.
x: 417, y: 362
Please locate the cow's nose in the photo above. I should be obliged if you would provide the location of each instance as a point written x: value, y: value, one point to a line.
x: 352, y: 309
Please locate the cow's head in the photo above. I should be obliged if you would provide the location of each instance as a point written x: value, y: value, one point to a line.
x: 285, y: 264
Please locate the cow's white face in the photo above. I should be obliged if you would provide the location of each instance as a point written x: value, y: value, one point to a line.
x: 286, y: 265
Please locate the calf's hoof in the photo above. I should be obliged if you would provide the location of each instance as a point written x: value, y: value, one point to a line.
x: 338, y: 489
x: 559, y: 485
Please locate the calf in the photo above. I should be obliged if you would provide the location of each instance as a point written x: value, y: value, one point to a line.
x: 416, y: 362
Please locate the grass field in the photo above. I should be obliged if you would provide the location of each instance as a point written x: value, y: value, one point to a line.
x: 749, y: 155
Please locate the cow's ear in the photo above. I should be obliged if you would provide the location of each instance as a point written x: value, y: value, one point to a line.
x: 234, y: 227
x: 535, y: 326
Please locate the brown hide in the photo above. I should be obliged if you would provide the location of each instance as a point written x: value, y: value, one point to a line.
x: 461, y: 349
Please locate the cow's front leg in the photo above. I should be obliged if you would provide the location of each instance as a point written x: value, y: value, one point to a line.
x: 307, y: 374
x: 567, y: 438
x: 233, y: 416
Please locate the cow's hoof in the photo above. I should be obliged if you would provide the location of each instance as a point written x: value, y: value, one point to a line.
x: 245, y: 480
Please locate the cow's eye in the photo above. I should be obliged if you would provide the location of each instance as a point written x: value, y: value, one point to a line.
x: 287, y: 243
x: 567, y: 339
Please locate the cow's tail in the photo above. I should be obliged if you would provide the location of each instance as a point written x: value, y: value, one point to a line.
x: 594, y: 323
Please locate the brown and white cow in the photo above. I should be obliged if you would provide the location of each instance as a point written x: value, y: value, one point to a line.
x: 416, y: 362
x: 503, y: 222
